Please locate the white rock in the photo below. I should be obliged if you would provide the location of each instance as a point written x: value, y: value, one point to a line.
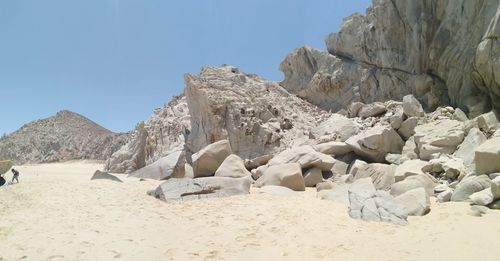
x: 416, y: 201
x: 441, y: 136
x: 337, y: 124
x: 306, y: 156
x: 333, y: 148
x: 487, y: 156
x: 207, y: 160
x: 407, y: 128
x: 287, y: 175
x: 409, y: 168
x: 372, y: 110
x: 233, y: 167
x: 171, y: 166
x: 376, y: 142
x: 413, y: 182
x: 466, y: 150
x: 469, y: 186
x: 312, y: 177
x: 412, y: 107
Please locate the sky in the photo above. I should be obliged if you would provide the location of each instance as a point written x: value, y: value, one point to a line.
x: 114, y: 61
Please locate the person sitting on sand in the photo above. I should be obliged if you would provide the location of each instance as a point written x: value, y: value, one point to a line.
x: 15, y: 176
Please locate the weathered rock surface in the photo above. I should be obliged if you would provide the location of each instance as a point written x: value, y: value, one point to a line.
x: 487, y: 156
x: 312, y: 177
x: 466, y: 150
x: 202, y: 188
x: 413, y: 182
x: 338, y: 126
x: 409, y: 168
x: 161, y: 134
x: 382, y: 175
x: 470, y: 186
x: 258, y: 161
x: 375, y: 143
x: 208, y: 160
x: 257, y: 116
x: 233, y: 167
x: 104, y: 175
x: 65, y: 136
x: 286, y: 175
x: 416, y: 201
x: 306, y: 156
x: 171, y: 166
x: 412, y: 107
x: 442, y: 136
x: 333, y: 148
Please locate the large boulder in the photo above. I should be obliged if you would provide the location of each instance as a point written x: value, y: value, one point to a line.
x: 207, y: 160
x: 466, y: 150
x: 171, y: 166
x: 488, y: 122
x: 312, y: 177
x: 409, y: 168
x: 202, y: 188
x: 413, y: 182
x: 286, y: 175
x: 233, y: 167
x: 5, y: 165
x: 487, y: 195
x: 375, y: 143
x: 487, y: 156
x: 338, y: 125
x: 372, y: 110
x: 416, y: 201
x: 469, y: 186
x: 104, y: 175
x: 382, y: 175
x: 306, y: 156
x: 442, y: 136
x: 407, y: 128
x: 257, y: 161
x: 333, y: 148
x: 412, y: 107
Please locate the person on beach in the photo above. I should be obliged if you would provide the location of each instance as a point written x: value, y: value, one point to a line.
x: 15, y: 176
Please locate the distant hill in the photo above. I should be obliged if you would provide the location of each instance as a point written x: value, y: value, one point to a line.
x: 65, y: 136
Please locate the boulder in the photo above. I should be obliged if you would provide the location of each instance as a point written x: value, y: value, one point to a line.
x: 409, y: 168
x: 372, y: 110
x: 339, y: 168
x: 333, y: 148
x: 376, y: 142
x: 413, y: 182
x: 482, y: 198
x: 409, y: 150
x: 171, y: 166
x: 487, y: 156
x: 5, y: 165
x: 354, y: 167
x: 258, y: 161
x: 442, y: 136
x: 460, y: 115
x: 466, y: 150
x: 306, y: 156
x: 469, y: 186
x: 444, y: 196
x: 287, y: 175
x: 104, y: 175
x: 233, y: 167
x: 488, y: 122
x: 202, y: 188
x: 382, y: 175
x: 454, y: 168
x: 312, y: 177
x: 325, y: 185
x: 338, y: 125
x: 416, y: 201
x: 258, y: 172
x: 354, y: 108
x: 412, y: 107
x: 208, y: 160
x: 360, y: 191
x: 407, y: 128
x: 393, y: 158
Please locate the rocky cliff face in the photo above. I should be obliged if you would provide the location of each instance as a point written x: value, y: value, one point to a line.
x: 65, y: 136
x: 255, y: 115
x: 442, y: 51
x: 161, y: 134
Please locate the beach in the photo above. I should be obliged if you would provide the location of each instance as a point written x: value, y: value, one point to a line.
x: 57, y: 213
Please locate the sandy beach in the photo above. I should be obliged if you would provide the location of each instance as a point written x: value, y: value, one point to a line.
x: 58, y: 213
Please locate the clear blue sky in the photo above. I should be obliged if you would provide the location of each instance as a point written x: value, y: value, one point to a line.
x: 114, y: 61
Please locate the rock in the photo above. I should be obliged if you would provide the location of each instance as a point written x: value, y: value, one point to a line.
x: 416, y: 201
x: 413, y: 182
x: 382, y: 175
x: 444, y: 196
x: 306, y: 156
x: 354, y: 167
x: 407, y: 128
x: 171, y: 166
x: 104, y: 175
x: 208, y: 160
x: 469, y: 186
x: 354, y: 108
x: 337, y: 125
x: 258, y: 172
x: 188, y: 171
x: 333, y: 148
x: 312, y: 177
x: 409, y: 168
x: 286, y: 175
x: 360, y: 191
x: 488, y: 122
x: 393, y: 158
x: 233, y: 167
x: 256, y: 116
x: 410, y: 151
x: 372, y: 110
x: 258, y: 161
x: 375, y: 143
x: 5, y: 165
x: 487, y: 156
x: 412, y: 107
x: 164, y: 132
x: 276, y: 191
x: 482, y: 198
x: 466, y: 150
x: 202, y: 188
x: 339, y: 168
x: 459, y: 115
x: 454, y: 168
x: 442, y: 136
x: 325, y: 185
x: 495, y: 205
x: 440, y: 188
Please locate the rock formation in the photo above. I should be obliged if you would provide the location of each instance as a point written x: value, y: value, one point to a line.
x: 442, y: 51
x: 65, y: 136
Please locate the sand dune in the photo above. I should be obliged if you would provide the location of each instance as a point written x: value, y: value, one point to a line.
x: 57, y: 213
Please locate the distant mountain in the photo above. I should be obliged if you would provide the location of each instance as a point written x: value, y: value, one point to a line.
x: 65, y: 136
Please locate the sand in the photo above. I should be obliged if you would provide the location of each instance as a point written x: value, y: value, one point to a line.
x: 58, y: 213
